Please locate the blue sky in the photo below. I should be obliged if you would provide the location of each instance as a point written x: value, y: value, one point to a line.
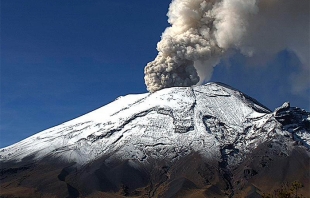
x: 61, y: 59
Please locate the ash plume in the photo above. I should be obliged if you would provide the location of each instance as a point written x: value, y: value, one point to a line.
x: 202, y: 32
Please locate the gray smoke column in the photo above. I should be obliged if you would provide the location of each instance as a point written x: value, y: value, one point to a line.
x: 203, y: 31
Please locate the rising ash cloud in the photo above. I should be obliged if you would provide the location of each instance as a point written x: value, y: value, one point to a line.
x: 204, y: 32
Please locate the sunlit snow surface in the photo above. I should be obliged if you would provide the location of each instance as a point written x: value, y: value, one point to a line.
x: 166, y: 124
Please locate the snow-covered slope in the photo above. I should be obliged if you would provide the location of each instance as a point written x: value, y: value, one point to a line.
x: 213, y: 119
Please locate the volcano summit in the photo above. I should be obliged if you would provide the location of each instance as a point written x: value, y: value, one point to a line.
x: 201, y: 141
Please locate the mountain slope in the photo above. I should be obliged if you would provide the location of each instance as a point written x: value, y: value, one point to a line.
x: 209, y: 140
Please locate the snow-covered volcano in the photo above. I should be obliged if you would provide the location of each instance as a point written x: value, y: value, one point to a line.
x: 163, y: 124
x: 215, y: 121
